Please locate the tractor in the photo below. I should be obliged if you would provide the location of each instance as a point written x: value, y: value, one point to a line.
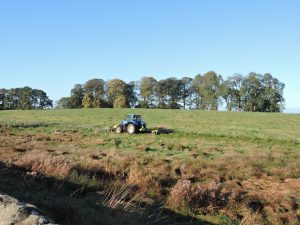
x: 131, y: 124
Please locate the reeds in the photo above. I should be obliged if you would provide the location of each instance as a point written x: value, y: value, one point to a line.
x: 126, y: 198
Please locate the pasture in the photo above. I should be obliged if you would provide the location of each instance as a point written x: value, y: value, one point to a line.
x: 216, y: 168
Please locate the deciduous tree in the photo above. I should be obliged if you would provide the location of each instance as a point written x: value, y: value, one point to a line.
x: 185, y: 93
x: 230, y: 91
x: 94, y: 91
x: 77, y: 94
x: 147, y: 86
x: 63, y: 103
x: 117, y: 92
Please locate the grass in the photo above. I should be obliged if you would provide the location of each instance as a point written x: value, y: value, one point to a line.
x: 247, y: 125
x: 232, y: 150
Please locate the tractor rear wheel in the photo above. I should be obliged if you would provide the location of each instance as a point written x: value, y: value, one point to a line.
x: 131, y: 129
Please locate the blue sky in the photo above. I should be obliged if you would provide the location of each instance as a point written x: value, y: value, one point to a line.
x: 54, y: 44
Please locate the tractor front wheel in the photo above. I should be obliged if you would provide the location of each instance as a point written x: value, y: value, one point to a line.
x: 119, y: 129
x: 131, y: 129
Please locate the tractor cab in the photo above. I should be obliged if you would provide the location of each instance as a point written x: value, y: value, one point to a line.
x: 132, y: 118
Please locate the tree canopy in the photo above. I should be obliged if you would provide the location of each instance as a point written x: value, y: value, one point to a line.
x: 24, y: 98
x: 253, y: 92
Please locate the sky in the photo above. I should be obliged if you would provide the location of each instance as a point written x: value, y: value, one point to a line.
x: 54, y: 44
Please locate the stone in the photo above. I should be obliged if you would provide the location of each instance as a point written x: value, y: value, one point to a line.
x: 13, y: 212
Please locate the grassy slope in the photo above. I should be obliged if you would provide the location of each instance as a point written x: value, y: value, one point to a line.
x: 212, y: 144
x: 250, y: 125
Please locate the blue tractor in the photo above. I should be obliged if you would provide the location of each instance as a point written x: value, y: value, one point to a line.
x: 131, y: 124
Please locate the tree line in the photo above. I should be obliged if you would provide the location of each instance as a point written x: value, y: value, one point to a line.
x: 254, y: 92
x: 24, y: 98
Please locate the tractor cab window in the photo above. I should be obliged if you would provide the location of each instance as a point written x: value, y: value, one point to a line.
x: 137, y: 118
x: 129, y: 117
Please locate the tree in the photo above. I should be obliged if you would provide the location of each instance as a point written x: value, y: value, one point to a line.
x: 63, y: 103
x: 235, y: 82
x: 131, y: 95
x: 252, y: 93
x: 120, y: 102
x: 173, y: 92
x: 88, y: 100
x: 116, y: 91
x: 12, y: 98
x: 206, y: 90
x: 197, y: 92
x: 41, y: 100
x: 273, y: 100
x: 2, y: 98
x: 168, y: 93
x: 230, y: 91
x: 162, y: 93
x: 226, y: 93
x: 147, y: 86
x: 77, y: 94
x: 94, y: 90
x: 262, y: 93
x: 186, y: 91
x: 210, y: 90
x: 255, y: 92
x: 24, y: 98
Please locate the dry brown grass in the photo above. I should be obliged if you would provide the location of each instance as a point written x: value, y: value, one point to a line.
x: 117, y: 164
x: 208, y: 198
x: 46, y: 163
x: 126, y: 198
x: 179, y: 194
x: 277, y: 200
x: 251, y: 219
x: 139, y: 176
x: 142, y: 147
x: 263, y: 183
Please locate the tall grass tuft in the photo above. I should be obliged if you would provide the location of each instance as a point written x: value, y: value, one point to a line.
x: 208, y: 198
x: 126, y: 198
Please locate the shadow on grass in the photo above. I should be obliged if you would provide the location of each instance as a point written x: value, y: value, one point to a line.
x: 68, y: 203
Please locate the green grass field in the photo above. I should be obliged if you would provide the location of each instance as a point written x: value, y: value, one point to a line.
x: 245, y: 153
x: 229, y: 124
